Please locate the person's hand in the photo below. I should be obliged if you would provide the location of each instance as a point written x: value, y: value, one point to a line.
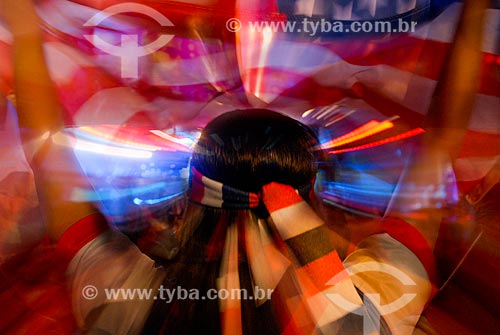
x: 20, y: 17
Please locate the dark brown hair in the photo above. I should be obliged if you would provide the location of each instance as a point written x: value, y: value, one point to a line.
x: 247, y: 149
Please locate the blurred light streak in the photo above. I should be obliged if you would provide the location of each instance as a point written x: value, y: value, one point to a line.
x: 399, y: 137
x: 111, y: 150
x: 139, y: 201
x: 172, y: 143
x: 368, y: 129
x: 367, y: 190
x: 359, y: 197
x: 307, y: 112
x: 324, y: 111
x: 340, y: 117
x: 132, y: 144
x: 104, y: 195
x: 82, y: 145
x: 187, y: 142
x: 267, y: 37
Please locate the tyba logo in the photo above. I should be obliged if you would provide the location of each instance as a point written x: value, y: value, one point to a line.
x: 129, y: 50
x: 369, y: 327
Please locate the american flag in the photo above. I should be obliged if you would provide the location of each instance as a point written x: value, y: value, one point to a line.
x: 346, y: 85
x: 335, y: 82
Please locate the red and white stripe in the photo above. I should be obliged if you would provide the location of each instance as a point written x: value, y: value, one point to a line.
x: 192, y: 79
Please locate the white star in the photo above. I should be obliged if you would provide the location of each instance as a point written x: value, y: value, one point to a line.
x: 342, y: 12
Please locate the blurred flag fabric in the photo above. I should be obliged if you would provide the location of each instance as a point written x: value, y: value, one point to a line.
x: 365, y: 92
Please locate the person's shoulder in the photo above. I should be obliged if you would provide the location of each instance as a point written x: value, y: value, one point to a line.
x: 80, y: 233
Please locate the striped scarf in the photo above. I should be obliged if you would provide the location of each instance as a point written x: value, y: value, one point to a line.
x: 268, y: 262
x: 305, y: 253
x: 208, y: 192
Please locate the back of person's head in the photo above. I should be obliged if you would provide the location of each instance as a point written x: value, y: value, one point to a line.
x: 247, y: 149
